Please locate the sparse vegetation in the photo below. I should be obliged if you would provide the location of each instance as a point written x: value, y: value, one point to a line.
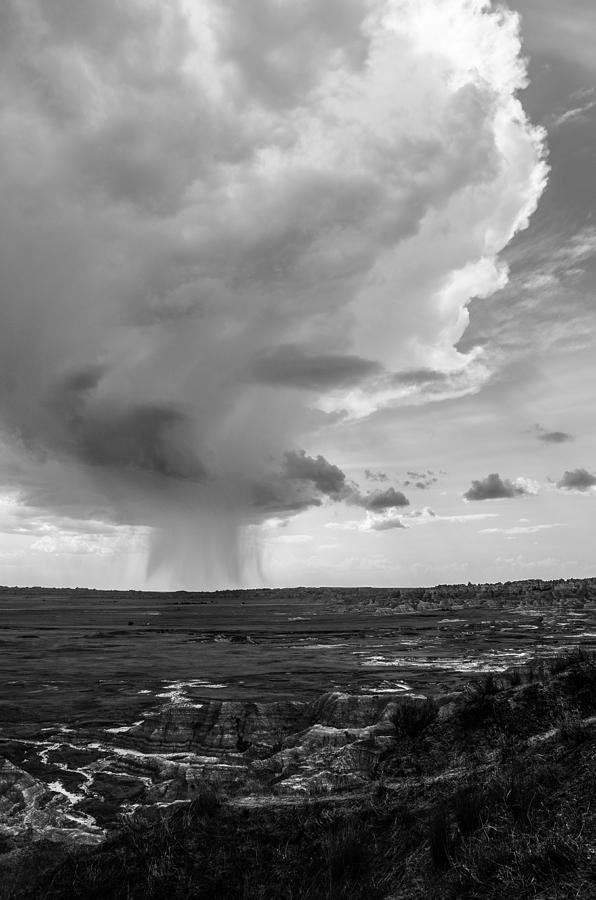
x: 569, y: 659
x: 573, y: 729
x: 469, y: 806
x: 520, y: 823
x: 439, y: 839
x: 411, y: 718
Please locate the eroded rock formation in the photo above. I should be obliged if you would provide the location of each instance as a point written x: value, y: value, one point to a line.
x: 30, y: 809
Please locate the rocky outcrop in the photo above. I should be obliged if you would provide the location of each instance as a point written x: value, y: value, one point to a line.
x: 318, y: 783
x: 237, y: 747
x: 240, y: 726
x: 30, y: 810
x: 334, y: 743
x: 341, y: 710
x: 217, y: 724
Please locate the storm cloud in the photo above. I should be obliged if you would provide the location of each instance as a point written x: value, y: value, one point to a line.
x: 224, y: 224
x: 493, y: 487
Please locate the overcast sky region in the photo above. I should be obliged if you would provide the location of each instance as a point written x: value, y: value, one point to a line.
x: 297, y: 292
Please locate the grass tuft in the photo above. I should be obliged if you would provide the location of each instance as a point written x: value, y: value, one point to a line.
x: 411, y: 718
x: 439, y: 839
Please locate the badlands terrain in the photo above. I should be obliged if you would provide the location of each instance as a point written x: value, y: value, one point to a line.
x: 384, y: 730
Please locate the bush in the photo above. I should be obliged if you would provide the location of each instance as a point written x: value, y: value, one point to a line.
x: 488, y: 685
x: 207, y: 804
x: 411, y: 719
x: 581, y: 677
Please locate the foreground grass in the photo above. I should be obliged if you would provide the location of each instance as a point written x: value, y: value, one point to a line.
x: 516, y: 819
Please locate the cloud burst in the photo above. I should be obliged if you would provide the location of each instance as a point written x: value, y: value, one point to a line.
x: 223, y: 222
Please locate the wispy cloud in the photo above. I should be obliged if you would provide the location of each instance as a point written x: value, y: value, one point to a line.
x: 521, y: 529
x: 575, y: 115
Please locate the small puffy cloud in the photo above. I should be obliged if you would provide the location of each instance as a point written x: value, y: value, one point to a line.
x: 324, y: 476
x: 555, y: 437
x: 371, y: 475
x: 551, y: 437
x: 493, y: 487
x: 423, y: 515
x: 387, y: 521
x: 388, y: 499
x: 577, y: 480
x: 421, y: 480
x: 302, y: 482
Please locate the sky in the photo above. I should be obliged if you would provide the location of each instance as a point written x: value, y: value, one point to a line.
x: 296, y: 293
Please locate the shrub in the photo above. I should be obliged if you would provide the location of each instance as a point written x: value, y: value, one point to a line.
x: 581, y: 676
x: 207, y: 804
x: 488, y: 685
x: 412, y: 718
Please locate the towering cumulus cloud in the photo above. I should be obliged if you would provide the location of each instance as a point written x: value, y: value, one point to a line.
x: 225, y: 222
